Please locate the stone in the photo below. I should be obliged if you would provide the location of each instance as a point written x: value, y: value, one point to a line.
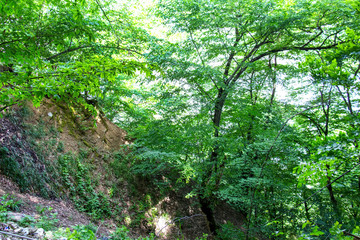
x: 32, y: 230
x: 18, y: 230
x: 40, y: 233
x: 15, y: 216
x: 25, y: 231
x: 49, y: 235
x: 13, y: 225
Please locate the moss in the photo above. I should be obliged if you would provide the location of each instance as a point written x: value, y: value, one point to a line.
x: 103, y: 120
x: 87, y: 144
x: 75, y: 118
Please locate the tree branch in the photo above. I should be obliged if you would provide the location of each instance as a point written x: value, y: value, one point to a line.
x: 319, y: 128
x: 200, y: 57
x: 66, y: 51
x: 278, y: 135
x: 312, y: 39
x: 357, y: 71
x: 97, y: 2
x: 232, y: 53
x: 16, y: 235
x: 293, y: 48
x: 12, y: 41
x: 352, y: 235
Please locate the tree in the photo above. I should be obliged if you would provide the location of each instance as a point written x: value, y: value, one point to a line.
x: 226, y: 43
x: 333, y: 144
x: 64, y: 49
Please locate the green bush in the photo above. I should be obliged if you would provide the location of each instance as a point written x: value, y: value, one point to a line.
x: 228, y: 232
x: 9, y: 203
x: 27, y: 221
x: 77, y: 179
x: 122, y: 233
x: 46, y: 222
x: 82, y: 233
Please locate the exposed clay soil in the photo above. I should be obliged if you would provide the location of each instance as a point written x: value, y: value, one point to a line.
x: 76, y: 128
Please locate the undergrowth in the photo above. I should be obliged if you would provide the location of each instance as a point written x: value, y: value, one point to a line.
x: 22, y: 158
x: 77, y: 178
x: 25, y: 160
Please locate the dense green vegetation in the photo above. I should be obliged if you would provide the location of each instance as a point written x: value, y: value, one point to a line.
x: 253, y: 103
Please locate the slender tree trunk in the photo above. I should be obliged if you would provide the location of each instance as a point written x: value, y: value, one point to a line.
x: 212, y: 171
x: 334, y: 203
x: 347, y: 100
x: 331, y: 193
x: 306, y: 206
x: 209, y: 213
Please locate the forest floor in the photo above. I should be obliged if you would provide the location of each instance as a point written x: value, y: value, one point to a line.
x: 65, y: 211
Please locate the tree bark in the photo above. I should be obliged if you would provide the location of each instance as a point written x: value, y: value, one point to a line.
x: 205, y: 201
x: 334, y: 203
x: 205, y: 204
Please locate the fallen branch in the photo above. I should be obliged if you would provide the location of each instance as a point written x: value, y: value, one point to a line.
x: 15, y: 235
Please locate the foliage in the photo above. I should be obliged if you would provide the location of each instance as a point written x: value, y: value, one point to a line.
x: 48, y: 220
x: 78, y: 180
x: 229, y: 231
x: 122, y: 233
x: 27, y: 221
x: 9, y: 203
x: 23, y: 158
x: 214, y: 119
x: 3, y: 215
x: 64, y: 50
x: 81, y: 232
x: 220, y: 127
x: 336, y: 232
x: 85, y: 232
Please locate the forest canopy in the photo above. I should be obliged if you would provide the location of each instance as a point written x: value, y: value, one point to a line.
x: 250, y: 103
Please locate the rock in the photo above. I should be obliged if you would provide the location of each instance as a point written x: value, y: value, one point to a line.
x: 13, y: 225
x: 49, y: 235
x: 18, y: 230
x: 39, y: 233
x: 25, y: 231
x: 4, y: 227
x: 15, y: 216
x: 32, y: 230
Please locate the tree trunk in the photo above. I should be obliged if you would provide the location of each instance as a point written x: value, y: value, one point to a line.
x: 306, y: 206
x: 214, y: 156
x: 212, y: 171
x: 205, y: 204
x: 332, y: 196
